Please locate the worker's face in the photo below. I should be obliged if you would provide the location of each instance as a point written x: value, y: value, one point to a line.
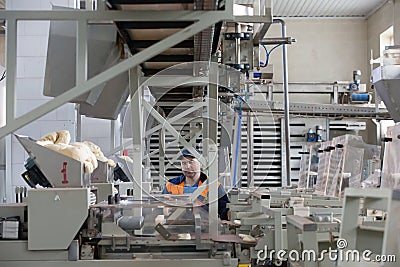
x: 190, y: 166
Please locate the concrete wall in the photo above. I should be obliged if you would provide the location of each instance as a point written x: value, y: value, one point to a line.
x: 326, y: 50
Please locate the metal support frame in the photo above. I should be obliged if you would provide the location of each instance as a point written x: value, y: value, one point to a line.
x: 11, y: 60
x: 161, y: 157
x: 8, y: 172
x: 212, y: 157
x: 250, y: 150
x: 192, y: 136
x: 174, y: 132
x: 159, y: 127
x: 78, y: 127
x: 137, y: 135
x: 179, y: 116
x: 262, y: 8
x: 191, y: 142
x: 203, y: 20
x: 286, y: 102
x: 298, y: 226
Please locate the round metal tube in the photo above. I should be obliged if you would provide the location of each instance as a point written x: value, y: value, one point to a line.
x: 276, y: 41
x: 286, y: 101
x: 250, y: 150
x: 238, y: 30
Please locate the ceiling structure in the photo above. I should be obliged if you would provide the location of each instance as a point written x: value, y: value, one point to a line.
x: 326, y: 8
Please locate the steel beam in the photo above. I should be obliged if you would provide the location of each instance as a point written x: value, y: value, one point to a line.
x: 137, y: 135
x: 205, y: 21
x: 113, y: 15
x: 194, y: 107
x: 11, y: 65
x: 172, y: 130
x: 212, y: 156
x: 175, y: 158
x: 172, y: 81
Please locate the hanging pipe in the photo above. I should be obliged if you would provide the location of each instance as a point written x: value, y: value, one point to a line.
x: 237, y: 144
x: 286, y: 101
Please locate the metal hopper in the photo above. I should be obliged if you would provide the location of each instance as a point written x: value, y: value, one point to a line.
x: 61, y: 171
x: 386, y: 80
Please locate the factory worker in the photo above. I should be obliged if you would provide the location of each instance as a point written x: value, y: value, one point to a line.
x: 191, y: 178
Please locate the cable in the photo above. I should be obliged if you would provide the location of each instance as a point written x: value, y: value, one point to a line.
x: 238, y: 137
x: 267, y: 54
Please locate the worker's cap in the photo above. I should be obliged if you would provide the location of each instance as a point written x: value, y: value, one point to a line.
x: 186, y: 153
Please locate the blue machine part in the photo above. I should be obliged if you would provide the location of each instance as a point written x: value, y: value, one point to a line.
x: 360, y: 97
x: 256, y: 75
x: 354, y: 86
x: 311, y: 136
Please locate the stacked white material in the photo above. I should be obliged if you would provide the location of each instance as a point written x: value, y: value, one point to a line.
x: 86, y: 152
x: 99, y: 154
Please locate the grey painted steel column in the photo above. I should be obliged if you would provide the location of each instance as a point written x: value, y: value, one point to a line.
x: 286, y: 101
x: 137, y: 135
x: 212, y: 157
x: 112, y: 134
x: 8, y: 171
x: 78, y: 124
x: 81, y: 68
x: 250, y: 149
x: 237, y: 44
x: 205, y: 130
x: 174, y: 132
x: 11, y: 66
x: 161, y: 145
x: 82, y: 52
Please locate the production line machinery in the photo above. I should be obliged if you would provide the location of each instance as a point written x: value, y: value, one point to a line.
x: 64, y: 223
x: 65, y: 226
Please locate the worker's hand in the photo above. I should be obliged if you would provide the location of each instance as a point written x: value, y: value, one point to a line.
x: 228, y: 214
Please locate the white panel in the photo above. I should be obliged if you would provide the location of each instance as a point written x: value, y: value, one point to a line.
x: 34, y: 67
x: 33, y: 28
x: 96, y: 130
x: 46, y: 127
x: 325, y: 8
x: 29, y: 88
x: 23, y: 5
x: 25, y: 106
x: 103, y: 143
x: 32, y: 130
x: 28, y: 46
x: 66, y: 112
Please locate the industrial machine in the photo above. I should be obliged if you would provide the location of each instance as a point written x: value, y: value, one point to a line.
x: 86, y: 221
x: 207, y: 58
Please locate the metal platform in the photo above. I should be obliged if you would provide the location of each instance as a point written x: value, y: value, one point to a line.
x: 141, y: 35
x: 327, y: 110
